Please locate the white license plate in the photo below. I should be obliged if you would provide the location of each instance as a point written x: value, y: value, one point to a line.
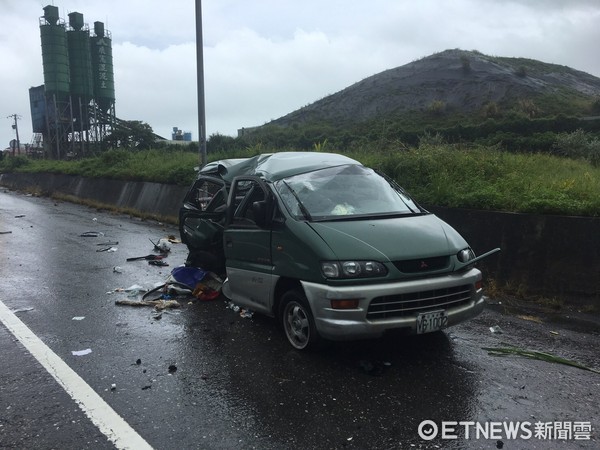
x: 431, y: 321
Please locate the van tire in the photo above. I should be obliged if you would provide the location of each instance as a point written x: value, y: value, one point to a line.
x: 297, y: 320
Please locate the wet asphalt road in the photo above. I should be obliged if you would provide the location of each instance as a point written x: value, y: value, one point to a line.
x: 237, y: 383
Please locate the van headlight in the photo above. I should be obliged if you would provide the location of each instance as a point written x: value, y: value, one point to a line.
x: 465, y: 255
x: 352, y: 269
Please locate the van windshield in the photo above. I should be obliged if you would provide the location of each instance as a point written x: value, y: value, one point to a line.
x: 343, y: 192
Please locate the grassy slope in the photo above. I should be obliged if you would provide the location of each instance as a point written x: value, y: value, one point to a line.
x: 435, y: 174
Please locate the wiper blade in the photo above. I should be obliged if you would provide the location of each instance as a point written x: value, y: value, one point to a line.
x: 303, y: 209
x: 369, y: 216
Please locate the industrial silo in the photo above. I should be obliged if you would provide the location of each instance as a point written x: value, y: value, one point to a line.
x: 55, y: 56
x: 80, y: 64
x: 102, y: 68
x: 80, y: 59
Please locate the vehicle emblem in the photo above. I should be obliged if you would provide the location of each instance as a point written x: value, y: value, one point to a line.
x: 424, y: 265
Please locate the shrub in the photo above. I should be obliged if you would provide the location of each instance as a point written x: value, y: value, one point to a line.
x: 11, y: 163
x: 578, y: 145
x: 436, y: 108
x: 115, y: 157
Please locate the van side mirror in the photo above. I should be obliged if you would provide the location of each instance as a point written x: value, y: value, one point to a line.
x: 260, y: 211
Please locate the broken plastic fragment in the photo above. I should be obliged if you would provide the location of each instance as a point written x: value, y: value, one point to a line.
x: 87, y: 351
x: 132, y: 290
x: 78, y: 318
x: 246, y: 314
x: 496, y: 329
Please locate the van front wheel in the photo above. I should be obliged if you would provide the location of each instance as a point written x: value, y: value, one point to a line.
x: 297, y: 320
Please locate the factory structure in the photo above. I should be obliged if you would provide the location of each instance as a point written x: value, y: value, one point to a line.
x: 74, y: 109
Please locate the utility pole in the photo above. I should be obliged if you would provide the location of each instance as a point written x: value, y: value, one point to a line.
x: 200, y: 85
x: 16, y: 128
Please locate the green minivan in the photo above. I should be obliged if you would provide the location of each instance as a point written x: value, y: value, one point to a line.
x: 330, y: 248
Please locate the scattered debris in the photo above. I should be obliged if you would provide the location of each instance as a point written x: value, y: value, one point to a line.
x: 92, y: 234
x: 530, y: 318
x: 168, y: 289
x: 19, y: 216
x: 173, y: 240
x: 109, y: 243
x: 172, y: 368
x: 504, y: 351
x: 87, y: 351
x: 246, y: 314
x: 78, y: 318
x: 159, y: 305
x: 138, y: 361
x: 496, y: 330
x: 146, y: 387
x: 113, y: 387
x: 25, y: 309
x: 158, y: 262
x: 556, y: 333
x: 131, y: 291
x: 5, y: 232
x: 204, y: 292
x: 118, y: 269
x: 163, y: 245
x: 106, y: 249
x: 147, y: 257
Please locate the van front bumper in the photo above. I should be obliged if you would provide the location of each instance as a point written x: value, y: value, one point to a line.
x: 394, y: 306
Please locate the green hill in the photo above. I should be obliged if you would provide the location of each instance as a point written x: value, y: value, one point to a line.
x: 461, y: 84
x: 464, y: 96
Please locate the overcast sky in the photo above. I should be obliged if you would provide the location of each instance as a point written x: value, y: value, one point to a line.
x: 266, y: 58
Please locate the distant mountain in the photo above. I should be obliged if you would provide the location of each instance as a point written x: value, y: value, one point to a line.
x: 457, y: 82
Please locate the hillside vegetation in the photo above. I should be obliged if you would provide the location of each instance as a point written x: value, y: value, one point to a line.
x: 434, y: 173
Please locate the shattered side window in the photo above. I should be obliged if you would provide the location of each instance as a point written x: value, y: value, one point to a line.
x: 207, y: 195
x: 247, y: 192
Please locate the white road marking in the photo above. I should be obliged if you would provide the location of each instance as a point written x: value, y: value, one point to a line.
x: 98, y: 411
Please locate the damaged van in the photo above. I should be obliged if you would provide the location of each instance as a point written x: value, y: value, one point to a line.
x: 330, y: 248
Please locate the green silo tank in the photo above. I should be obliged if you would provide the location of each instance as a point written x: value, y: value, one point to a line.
x: 55, y: 56
x: 102, y: 67
x: 80, y: 58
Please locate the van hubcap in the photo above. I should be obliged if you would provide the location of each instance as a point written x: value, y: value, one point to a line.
x: 297, y: 326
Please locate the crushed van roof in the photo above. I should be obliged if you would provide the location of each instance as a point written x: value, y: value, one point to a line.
x: 275, y: 166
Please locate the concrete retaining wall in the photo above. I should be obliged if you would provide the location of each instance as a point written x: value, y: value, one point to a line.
x: 546, y: 255
x: 152, y: 198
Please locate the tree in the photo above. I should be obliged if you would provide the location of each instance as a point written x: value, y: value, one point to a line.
x: 132, y: 134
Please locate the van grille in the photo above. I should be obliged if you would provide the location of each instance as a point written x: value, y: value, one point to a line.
x: 423, y: 265
x: 413, y: 303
